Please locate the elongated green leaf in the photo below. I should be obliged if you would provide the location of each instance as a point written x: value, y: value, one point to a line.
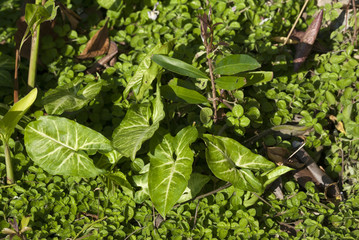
x: 136, y: 127
x: 273, y: 174
x: 232, y: 162
x: 256, y: 77
x: 230, y: 82
x: 70, y: 97
x: 170, y: 169
x: 235, y: 64
x: 13, y: 116
x: 61, y: 146
x: 178, y: 66
x: 177, y: 93
x: 146, y: 72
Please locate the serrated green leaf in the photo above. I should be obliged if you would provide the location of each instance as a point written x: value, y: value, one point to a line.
x: 235, y: 64
x: 61, y: 146
x: 178, y: 66
x: 170, y: 169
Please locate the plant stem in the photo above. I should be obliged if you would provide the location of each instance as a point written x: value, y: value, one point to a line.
x: 214, y: 101
x: 16, y: 80
x: 33, y: 56
x: 8, y: 163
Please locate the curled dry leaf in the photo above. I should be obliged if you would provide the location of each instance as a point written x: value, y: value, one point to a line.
x: 110, y: 59
x: 307, y: 41
x: 73, y: 18
x: 98, y: 44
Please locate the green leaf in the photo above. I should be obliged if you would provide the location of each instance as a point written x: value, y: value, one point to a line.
x: 256, y: 77
x: 205, y: 115
x: 195, y: 185
x: 232, y: 162
x: 136, y: 127
x: 177, y: 93
x: 113, y: 5
x: 146, y: 72
x: 70, y: 97
x: 120, y: 179
x: 13, y: 116
x: 170, y: 169
x: 230, y: 82
x: 142, y: 181
x: 61, y: 146
x: 235, y: 64
x: 36, y: 14
x: 178, y: 66
x: 273, y: 174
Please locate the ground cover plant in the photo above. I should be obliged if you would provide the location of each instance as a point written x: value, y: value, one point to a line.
x: 179, y: 120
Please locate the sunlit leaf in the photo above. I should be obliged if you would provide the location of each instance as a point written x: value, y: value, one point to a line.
x: 62, y: 146
x: 140, y: 123
x: 232, y: 162
x: 70, y: 97
x: 230, y: 82
x: 236, y: 63
x: 178, y: 93
x: 16, y: 112
x: 178, y: 66
x: 146, y: 72
x: 170, y: 169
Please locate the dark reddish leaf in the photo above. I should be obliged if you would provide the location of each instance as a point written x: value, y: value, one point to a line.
x: 307, y: 41
x: 98, y: 44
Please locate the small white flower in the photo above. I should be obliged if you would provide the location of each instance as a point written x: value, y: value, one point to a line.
x: 153, y: 14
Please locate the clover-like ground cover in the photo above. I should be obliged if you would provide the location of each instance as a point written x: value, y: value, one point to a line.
x: 105, y: 96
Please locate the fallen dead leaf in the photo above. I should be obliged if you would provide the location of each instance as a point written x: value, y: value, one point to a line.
x: 110, y: 59
x: 73, y: 18
x: 98, y: 44
x: 307, y: 41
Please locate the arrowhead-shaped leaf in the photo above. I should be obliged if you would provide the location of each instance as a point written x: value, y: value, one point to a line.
x: 178, y: 66
x: 13, y: 116
x: 146, y: 72
x: 136, y: 127
x: 61, y: 146
x: 232, y: 162
x: 170, y: 169
x: 235, y: 64
x: 70, y: 97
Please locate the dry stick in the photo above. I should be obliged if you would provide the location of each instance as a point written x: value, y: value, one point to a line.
x: 354, y: 40
x: 296, y: 21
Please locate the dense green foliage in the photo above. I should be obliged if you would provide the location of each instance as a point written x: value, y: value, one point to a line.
x: 122, y: 129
